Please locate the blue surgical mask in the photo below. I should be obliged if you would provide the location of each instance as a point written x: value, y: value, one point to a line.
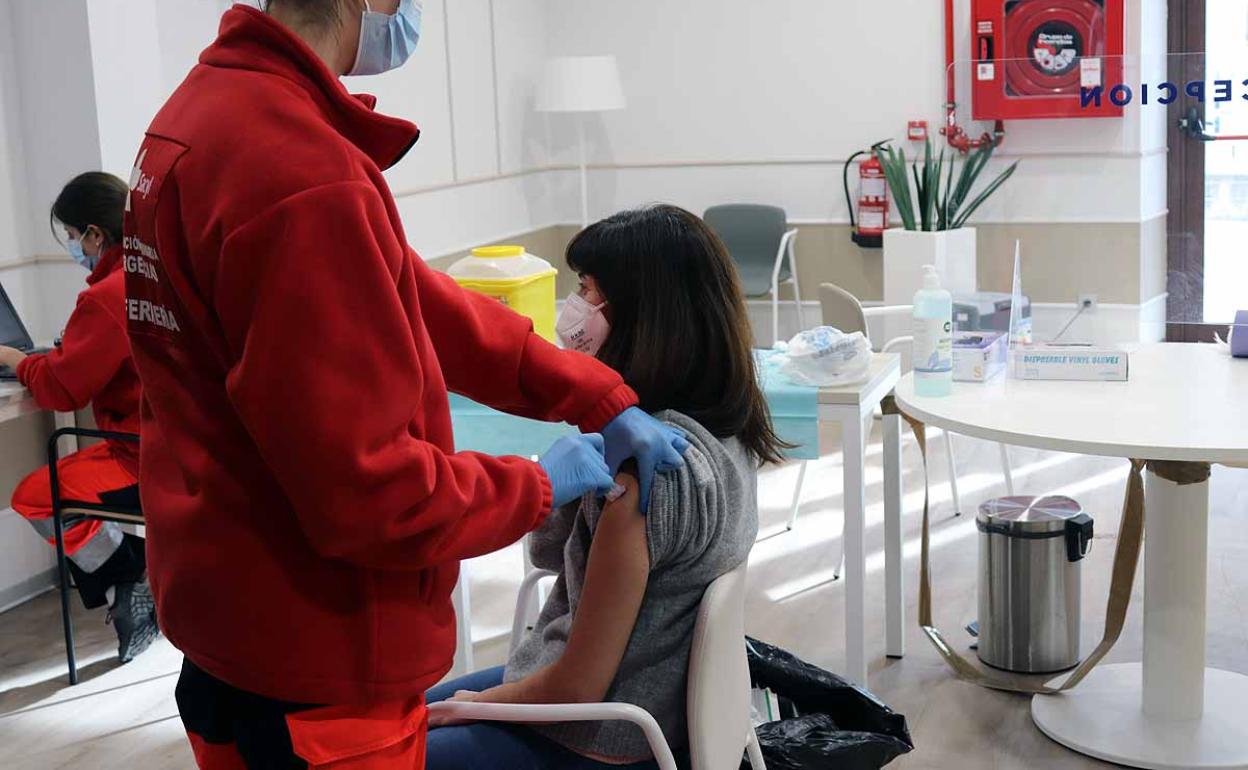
x: 387, y: 41
x: 75, y: 250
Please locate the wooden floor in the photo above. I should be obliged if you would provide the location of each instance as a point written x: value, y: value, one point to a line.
x: 125, y: 717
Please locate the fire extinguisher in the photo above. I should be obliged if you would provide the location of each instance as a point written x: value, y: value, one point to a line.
x: 872, y: 219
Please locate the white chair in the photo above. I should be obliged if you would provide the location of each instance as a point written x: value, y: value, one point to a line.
x: 906, y: 344
x: 718, y: 699
x: 833, y: 300
x: 843, y: 310
x: 461, y: 600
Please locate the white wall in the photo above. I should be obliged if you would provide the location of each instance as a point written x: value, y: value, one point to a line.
x: 77, y: 92
x: 185, y: 28
x: 740, y: 100
x: 60, y: 135
x: 28, y: 564
x: 12, y: 166
x: 730, y: 80
x: 728, y: 100
x: 129, y: 83
x: 477, y: 173
x: 81, y: 79
x: 471, y: 96
x: 47, y: 109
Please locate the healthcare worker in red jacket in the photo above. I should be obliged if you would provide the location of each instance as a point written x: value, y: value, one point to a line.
x: 306, y: 507
x: 92, y: 365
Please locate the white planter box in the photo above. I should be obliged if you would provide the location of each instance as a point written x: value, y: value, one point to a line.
x: 907, y: 251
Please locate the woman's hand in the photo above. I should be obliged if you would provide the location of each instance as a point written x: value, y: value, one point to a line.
x: 445, y: 720
x: 10, y: 357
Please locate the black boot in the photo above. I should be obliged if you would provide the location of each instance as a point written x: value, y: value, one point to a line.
x: 133, y: 615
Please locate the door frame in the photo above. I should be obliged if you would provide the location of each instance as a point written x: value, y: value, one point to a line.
x: 1185, y: 184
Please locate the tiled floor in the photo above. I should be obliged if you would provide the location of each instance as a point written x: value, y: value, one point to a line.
x: 125, y: 717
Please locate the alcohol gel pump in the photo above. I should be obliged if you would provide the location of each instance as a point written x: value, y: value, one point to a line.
x: 933, y: 337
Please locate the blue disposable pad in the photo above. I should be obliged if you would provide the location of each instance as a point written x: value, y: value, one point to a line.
x: 794, y: 408
x: 794, y: 414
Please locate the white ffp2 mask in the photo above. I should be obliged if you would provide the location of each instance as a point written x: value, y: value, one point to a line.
x: 582, y: 326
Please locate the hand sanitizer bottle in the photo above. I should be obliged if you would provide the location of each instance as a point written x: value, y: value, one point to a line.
x: 933, y: 337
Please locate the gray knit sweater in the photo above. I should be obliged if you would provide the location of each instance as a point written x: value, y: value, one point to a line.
x: 701, y: 524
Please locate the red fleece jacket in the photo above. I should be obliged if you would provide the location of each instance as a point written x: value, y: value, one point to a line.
x: 92, y: 364
x: 306, y: 507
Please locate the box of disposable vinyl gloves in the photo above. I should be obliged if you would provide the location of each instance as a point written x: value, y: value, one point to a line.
x: 1070, y: 362
x: 978, y: 356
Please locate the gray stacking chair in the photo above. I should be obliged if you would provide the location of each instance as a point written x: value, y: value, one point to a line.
x: 758, y: 239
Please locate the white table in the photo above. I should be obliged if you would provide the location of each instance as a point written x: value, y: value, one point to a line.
x: 851, y: 407
x: 1183, y: 403
x: 15, y: 401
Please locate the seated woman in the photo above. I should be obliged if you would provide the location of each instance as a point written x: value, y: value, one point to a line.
x: 92, y: 365
x: 660, y: 302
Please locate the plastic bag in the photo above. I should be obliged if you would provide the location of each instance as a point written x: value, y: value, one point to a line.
x: 841, y: 725
x: 826, y: 356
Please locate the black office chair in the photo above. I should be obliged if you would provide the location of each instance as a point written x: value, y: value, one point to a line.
x: 66, y: 512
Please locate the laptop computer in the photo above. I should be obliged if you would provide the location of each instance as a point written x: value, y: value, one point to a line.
x: 13, y: 333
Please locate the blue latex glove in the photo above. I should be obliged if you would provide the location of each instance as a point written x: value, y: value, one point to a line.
x: 575, y: 465
x: 656, y: 447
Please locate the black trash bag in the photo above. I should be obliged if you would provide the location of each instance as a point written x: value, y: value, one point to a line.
x: 841, y: 726
x: 814, y: 741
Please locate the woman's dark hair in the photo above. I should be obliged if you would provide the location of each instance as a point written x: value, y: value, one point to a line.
x: 93, y: 198
x: 679, y: 334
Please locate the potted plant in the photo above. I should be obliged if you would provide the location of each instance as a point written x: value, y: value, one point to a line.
x: 933, y: 218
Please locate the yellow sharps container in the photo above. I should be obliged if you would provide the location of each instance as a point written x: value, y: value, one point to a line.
x: 516, y: 278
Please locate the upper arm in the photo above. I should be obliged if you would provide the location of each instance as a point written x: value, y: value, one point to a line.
x: 615, y: 584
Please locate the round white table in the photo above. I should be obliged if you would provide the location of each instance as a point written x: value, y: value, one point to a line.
x: 1184, y: 404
